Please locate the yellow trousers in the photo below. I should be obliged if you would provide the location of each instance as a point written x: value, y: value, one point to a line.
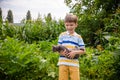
x: 69, y: 71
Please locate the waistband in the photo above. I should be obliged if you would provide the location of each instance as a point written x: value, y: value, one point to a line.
x: 69, y: 58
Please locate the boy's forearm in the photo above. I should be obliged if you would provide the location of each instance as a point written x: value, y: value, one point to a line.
x: 79, y: 52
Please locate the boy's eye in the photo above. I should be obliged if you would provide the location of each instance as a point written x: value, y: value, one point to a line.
x: 69, y: 24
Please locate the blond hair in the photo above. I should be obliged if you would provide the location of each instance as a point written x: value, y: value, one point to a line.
x: 71, y: 18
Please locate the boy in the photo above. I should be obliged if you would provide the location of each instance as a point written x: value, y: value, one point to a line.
x: 70, y: 39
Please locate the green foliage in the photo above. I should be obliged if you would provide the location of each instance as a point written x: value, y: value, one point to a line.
x: 33, y: 31
x: 36, y: 61
x: 94, y: 16
x: 98, y: 23
x: 97, y: 65
x: 0, y: 29
x: 7, y: 30
x: 22, y: 61
x: 10, y: 16
x: 40, y: 31
x: 112, y: 24
x: 88, y: 26
x: 48, y: 18
x: 114, y: 46
x: 0, y: 15
x: 28, y: 16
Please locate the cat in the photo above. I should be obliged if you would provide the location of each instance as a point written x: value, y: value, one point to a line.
x: 60, y: 48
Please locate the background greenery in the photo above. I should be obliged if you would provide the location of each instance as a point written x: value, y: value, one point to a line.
x: 26, y: 51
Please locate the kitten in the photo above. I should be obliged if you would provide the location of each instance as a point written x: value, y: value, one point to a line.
x: 60, y: 48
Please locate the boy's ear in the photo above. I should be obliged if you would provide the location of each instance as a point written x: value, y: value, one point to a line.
x: 76, y: 24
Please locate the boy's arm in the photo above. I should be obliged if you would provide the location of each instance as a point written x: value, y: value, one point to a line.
x: 75, y: 52
x: 80, y: 52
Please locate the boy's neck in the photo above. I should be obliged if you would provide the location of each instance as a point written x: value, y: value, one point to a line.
x: 71, y: 32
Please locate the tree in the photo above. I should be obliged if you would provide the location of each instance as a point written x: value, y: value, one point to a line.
x: 23, y: 20
x: 10, y: 16
x: 28, y: 16
x: 48, y: 19
x: 0, y: 15
x: 93, y: 16
x: 92, y: 6
x: 39, y: 16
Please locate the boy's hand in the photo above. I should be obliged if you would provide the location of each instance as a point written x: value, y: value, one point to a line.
x: 71, y: 55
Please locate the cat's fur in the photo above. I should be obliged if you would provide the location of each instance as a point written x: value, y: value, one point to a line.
x: 60, y: 48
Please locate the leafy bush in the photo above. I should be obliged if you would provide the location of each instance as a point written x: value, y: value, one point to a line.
x: 33, y: 31
x: 36, y: 61
x: 22, y: 61
x: 102, y: 64
x: 97, y: 65
x: 114, y: 46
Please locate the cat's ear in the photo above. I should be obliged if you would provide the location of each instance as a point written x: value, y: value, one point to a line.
x: 53, y: 48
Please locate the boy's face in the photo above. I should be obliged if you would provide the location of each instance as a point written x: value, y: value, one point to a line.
x: 70, y: 26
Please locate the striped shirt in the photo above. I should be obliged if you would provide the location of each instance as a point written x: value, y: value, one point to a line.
x: 70, y: 42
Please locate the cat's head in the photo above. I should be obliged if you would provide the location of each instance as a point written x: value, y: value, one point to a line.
x: 54, y: 48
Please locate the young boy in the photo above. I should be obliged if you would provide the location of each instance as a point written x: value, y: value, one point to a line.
x: 69, y: 67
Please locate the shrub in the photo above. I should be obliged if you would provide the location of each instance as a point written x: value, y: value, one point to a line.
x: 22, y: 61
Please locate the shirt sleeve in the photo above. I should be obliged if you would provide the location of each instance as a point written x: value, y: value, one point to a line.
x: 60, y: 39
x: 81, y: 43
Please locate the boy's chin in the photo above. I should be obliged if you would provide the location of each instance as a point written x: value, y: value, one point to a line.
x: 69, y: 29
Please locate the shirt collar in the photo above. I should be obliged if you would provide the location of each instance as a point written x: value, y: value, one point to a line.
x: 71, y: 34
